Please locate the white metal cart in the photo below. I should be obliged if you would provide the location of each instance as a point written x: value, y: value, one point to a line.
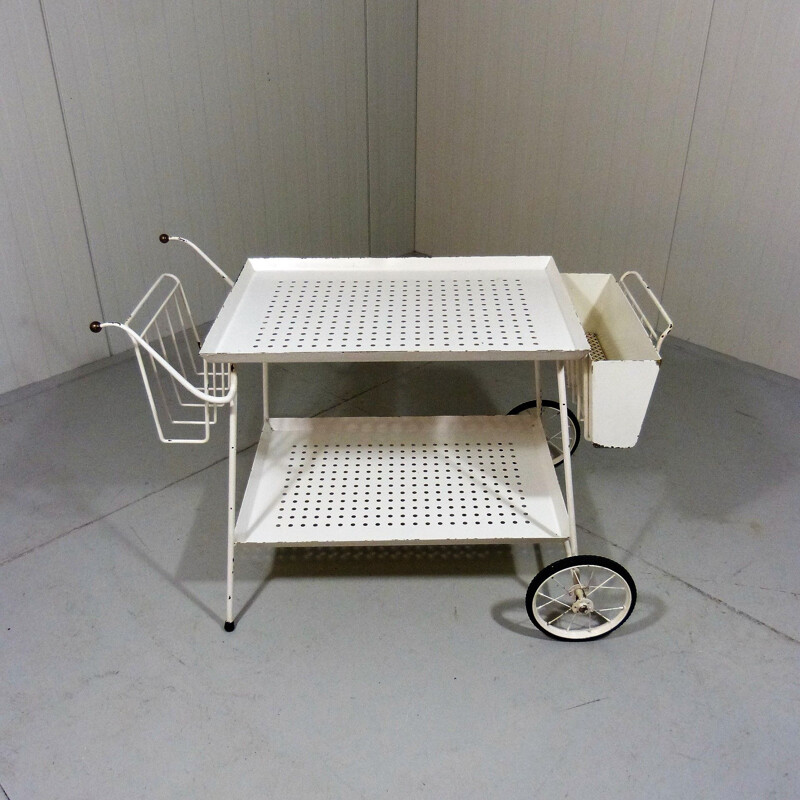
x: 407, y: 480
x: 393, y: 480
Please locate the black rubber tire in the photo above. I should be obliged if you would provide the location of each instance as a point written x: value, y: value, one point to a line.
x: 568, y: 563
x: 553, y: 404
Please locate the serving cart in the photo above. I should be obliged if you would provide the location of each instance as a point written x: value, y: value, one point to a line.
x: 405, y: 480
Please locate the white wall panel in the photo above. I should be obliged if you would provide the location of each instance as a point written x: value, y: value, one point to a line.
x: 241, y: 126
x: 391, y: 110
x: 734, y: 274
x: 556, y: 127
x: 288, y: 127
x: 47, y: 290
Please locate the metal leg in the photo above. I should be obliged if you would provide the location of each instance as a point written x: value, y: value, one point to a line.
x: 568, y: 489
x: 537, y: 385
x: 232, y: 433
x: 265, y: 390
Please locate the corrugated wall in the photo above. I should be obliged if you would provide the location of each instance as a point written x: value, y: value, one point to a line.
x: 556, y: 127
x: 240, y: 126
x: 658, y: 135
x: 392, y: 117
x: 734, y: 270
x: 247, y: 127
x: 47, y: 288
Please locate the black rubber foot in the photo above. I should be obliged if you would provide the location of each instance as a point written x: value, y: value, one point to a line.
x: 164, y: 238
x: 229, y: 626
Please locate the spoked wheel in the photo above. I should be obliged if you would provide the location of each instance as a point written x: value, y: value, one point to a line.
x: 551, y: 422
x: 581, y: 597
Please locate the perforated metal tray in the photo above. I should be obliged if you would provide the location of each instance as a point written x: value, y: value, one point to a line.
x: 396, y: 309
x: 402, y: 479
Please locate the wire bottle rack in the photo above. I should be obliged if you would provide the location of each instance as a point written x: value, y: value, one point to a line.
x: 184, y: 391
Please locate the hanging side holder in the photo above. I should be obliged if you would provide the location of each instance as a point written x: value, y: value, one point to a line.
x: 612, y: 387
x: 183, y: 390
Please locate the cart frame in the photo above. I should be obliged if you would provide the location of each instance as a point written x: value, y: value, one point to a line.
x: 290, y: 288
x: 411, y: 309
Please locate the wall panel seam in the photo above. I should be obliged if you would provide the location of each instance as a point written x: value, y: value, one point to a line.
x: 72, y: 166
x: 688, y: 149
x: 416, y: 132
x: 366, y: 122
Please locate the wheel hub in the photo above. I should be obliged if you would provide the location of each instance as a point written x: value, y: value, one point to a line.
x: 582, y: 604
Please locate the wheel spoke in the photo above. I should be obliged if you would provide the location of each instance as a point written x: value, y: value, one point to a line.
x: 552, y: 600
x: 600, y: 586
x: 574, y: 617
x: 556, y: 619
x: 617, y: 608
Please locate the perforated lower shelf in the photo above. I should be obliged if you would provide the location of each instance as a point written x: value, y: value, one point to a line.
x: 391, y: 480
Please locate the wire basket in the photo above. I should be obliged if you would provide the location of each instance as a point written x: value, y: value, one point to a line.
x: 183, y: 390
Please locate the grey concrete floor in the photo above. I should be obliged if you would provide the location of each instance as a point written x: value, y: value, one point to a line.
x: 396, y: 673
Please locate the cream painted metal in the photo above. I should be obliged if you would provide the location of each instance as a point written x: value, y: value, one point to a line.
x: 396, y: 309
x: 388, y: 480
x: 393, y: 480
x: 183, y: 390
x: 406, y: 479
x: 613, y: 386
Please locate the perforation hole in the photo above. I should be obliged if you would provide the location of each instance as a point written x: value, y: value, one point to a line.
x: 416, y: 484
x: 450, y: 314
